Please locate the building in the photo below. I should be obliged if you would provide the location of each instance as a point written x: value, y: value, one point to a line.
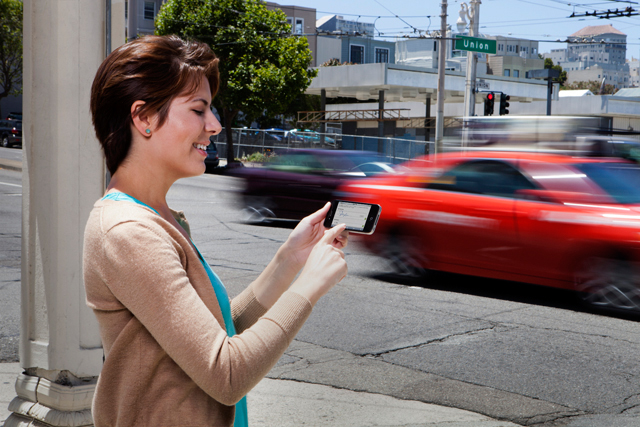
x: 513, y: 57
x: 597, y: 53
x: 355, y: 50
x: 144, y: 18
x: 556, y: 55
x: 303, y: 22
x: 423, y: 52
x: 634, y: 73
x: 337, y: 24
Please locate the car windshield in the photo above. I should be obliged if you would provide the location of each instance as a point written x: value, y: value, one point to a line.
x: 620, y: 180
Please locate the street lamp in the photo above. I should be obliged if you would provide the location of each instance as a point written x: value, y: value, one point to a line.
x: 461, y: 23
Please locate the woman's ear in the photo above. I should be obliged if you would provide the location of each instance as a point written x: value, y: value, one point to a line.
x: 141, y: 122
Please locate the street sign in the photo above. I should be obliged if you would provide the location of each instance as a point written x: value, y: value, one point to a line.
x: 474, y: 44
x: 482, y: 84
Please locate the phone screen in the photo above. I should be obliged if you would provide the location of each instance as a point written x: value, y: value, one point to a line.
x: 354, y: 215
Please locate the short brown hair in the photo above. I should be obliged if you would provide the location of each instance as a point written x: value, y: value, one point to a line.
x: 153, y: 69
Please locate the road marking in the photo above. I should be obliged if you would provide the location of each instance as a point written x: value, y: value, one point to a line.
x: 11, y: 185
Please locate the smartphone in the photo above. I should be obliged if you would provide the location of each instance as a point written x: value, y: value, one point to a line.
x: 359, y: 217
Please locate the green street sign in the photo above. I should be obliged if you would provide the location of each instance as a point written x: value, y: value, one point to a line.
x: 475, y: 44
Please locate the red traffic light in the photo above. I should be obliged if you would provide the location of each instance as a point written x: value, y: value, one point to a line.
x: 490, y: 96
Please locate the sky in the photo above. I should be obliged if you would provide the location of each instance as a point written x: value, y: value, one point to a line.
x: 543, y: 20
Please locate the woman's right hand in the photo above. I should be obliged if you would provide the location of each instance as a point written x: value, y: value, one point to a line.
x: 324, y: 268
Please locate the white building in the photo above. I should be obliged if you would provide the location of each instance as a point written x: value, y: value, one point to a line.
x: 597, y: 53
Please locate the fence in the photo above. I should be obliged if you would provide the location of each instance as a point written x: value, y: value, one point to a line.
x: 249, y: 141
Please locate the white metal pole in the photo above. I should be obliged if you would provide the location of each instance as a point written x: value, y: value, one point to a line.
x: 442, y: 58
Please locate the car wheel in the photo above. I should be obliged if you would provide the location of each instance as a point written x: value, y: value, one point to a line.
x: 5, y: 141
x: 256, y: 215
x: 404, y: 255
x: 608, y: 283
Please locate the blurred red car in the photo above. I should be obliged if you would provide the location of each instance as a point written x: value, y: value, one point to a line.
x: 551, y: 220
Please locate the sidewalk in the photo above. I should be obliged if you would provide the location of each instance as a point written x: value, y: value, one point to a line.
x: 285, y: 403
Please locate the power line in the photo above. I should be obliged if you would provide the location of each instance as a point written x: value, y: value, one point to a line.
x: 627, y: 12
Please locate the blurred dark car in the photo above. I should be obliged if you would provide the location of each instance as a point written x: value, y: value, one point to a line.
x: 213, y: 160
x: 10, y: 133
x: 552, y: 220
x: 609, y: 146
x: 299, y: 182
x: 14, y: 116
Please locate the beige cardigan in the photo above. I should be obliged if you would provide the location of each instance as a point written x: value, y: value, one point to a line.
x: 169, y: 361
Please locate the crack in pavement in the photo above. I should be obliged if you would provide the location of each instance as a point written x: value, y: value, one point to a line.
x: 435, y: 340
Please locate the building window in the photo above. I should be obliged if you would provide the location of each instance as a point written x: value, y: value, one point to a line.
x: 500, y: 47
x: 516, y: 73
x: 357, y: 54
x: 149, y: 10
x: 298, y: 28
x: 382, y: 55
x: 507, y: 73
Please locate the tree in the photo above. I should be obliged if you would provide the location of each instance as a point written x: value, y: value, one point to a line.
x: 10, y: 48
x: 548, y: 63
x: 263, y: 67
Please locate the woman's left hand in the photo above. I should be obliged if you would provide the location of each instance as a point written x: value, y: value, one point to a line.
x: 307, y: 233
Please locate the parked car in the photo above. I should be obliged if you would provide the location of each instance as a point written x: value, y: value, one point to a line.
x: 299, y: 182
x: 275, y: 134
x: 551, y: 220
x: 213, y: 160
x: 10, y: 133
x: 310, y: 136
x: 14, y: 116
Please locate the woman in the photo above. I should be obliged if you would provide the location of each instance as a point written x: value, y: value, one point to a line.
x: 178, y: 352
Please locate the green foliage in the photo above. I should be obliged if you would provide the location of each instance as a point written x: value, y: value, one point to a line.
x: 548, y: 63
x: 263, y: 67
x: 335, y: 62
x: 593, y: 86
x: 10, y: 47
x: 258, y: 157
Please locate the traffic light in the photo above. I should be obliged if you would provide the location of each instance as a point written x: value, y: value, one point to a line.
x: 488, y: 104
x: 504, y: 104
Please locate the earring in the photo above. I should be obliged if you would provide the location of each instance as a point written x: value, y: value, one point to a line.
x: 148, y: 131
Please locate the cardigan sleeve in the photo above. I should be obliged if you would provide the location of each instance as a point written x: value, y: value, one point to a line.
x: 143, y: 269
x: 246, y: 310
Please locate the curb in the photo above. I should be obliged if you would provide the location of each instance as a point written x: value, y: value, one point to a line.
x: 13, y: 165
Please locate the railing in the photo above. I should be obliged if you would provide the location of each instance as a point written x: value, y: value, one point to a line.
x: 249, y: 141
x: 391, y: 114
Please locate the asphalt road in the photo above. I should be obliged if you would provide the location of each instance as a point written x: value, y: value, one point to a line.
x: 526, y: 354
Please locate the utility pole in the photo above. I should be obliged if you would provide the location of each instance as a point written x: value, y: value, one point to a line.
x: 472, y: 58
x: 442, y: 58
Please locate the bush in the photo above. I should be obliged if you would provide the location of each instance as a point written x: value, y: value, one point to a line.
x: 258, y: 157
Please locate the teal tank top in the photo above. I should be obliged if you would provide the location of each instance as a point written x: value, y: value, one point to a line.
x: 241, y: 419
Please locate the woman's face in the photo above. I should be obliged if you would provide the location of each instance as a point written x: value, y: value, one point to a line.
x: 182, y: 140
